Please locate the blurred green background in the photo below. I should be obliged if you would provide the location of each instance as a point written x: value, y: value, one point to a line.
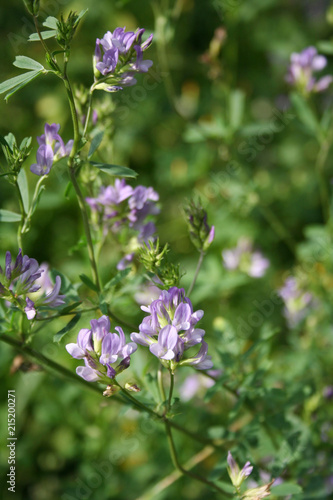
x: 214, y: 120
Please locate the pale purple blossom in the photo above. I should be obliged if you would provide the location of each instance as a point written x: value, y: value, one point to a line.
x: 236, y: 474
x: 301, y: 71
x: 245, y: 259
x: 118, y: 56
x: 121, y: 207
x: 170, y: 329
x: 51, y: 148
x: 21, y: 279
x: 100, y: 349
x: 297, y: 301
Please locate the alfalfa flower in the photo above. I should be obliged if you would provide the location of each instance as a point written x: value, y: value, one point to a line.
x: 20, y: 282
x: 170, y: 330
x: 236, y: 474
x: 51, y: 148
x: 118, y: 57
x: 301, y: 71
x: 245, y: 259
x: 105, y: 354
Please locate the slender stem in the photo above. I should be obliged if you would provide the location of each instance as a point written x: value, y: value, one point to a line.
x: 178, y: 466
x: 76, y: 186
x: 171, y: 478
x: 40, y: 36
x: 49, y: 363
x: 23, y: 216
x: 160, y: 383
x: 86, y: 227
x: 202, y: 254
x: 172, y: 381
x: 69, y: 313
x: 86, y: 124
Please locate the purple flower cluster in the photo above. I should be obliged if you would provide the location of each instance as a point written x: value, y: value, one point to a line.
x: 51, y: 148
x: 100, y: 349
x: 118, y: 56
x: 122, y: 206
x: 170, y: 330
x: 296, y: 300
x: 301, y: 69
x: 22, y: 278
x: 243, y: 258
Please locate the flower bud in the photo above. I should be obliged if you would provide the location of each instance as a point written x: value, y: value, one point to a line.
x: 200, y: 232
x: 236, y: 475
x: 110, y: 391
x: 132, y: 387
x: 32, y: 6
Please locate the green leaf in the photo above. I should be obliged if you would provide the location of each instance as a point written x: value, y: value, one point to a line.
x: 51, y: 22
x: 24, y: 189
x: 286, y: 489
x: 10, y: 141
x: 236, y: 108
x: 27, y: 63
x: 16, y: 83
x: 81, y: 14
x: 58, y: 336
x: 115, y: 170
x: 117, y: 279
x: 325, y: 46
x: 8, y: 216
x: 87, y: 281
x: 305, y: 113
x: 44, y: 34
x: 96, y: 141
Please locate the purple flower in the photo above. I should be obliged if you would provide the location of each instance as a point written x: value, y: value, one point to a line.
x: 122, y: 207
x: 99, y: 348
x: 118, y: 56
x: 301, y: 69
x: 23, y: 278
x: 236, y: 475
x: 243, y: 258
x: 51, y: 148
x: 297, y: 301
x: 170, y: 330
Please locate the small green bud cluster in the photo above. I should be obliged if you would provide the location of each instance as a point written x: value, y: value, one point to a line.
x: 15, y: 155
x: 155, y: 262
x: 201, y: 234
x: 66, y: 29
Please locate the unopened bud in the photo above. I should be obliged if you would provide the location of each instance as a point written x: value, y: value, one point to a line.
x: 32, y: 6
x: 110, y: 391
x: 132, y: 387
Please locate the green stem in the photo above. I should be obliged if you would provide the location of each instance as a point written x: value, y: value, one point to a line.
x: 53, y: 366
x: 178, y: 466
x: 69, y: 313
x: 86, y: 226
x: 44, y: 44
x: 160, y: 383
x: 23, y: 217
x: 88, y: 113
x: 49, y: 363
x: 76, y: 186
x: 202, y: 254
x: 172, y: 381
